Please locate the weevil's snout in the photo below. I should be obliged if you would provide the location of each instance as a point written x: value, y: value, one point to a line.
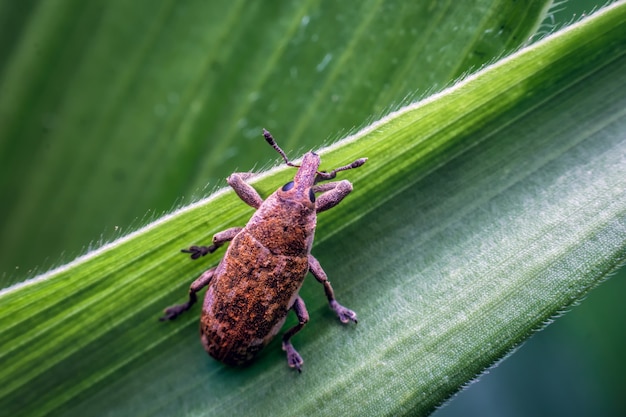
x: 305, y: 177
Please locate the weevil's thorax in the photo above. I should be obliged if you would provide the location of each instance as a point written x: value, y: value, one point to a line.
x: 285, y: 222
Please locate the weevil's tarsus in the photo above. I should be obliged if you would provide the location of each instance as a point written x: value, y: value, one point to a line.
x: 202, y: 281
x: 345, y: 314
x: 218, y: 240
x: 294, y: 360
x: 198, y: 251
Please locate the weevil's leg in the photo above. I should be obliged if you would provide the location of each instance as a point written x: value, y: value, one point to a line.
x: 333, y: 193
x: 293, y: 357
x: 202, y: 281
x: 218, y: 240
x: 344, y: 314
x: 244, y: 190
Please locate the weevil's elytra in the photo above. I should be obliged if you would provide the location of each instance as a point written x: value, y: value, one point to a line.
x: 258, y: 280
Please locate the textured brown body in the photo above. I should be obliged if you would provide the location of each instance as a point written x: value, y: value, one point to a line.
x: 257, y: 281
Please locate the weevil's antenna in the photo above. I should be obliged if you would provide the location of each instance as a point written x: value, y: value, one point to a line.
x: 323, y: 176
x: 273, y: 144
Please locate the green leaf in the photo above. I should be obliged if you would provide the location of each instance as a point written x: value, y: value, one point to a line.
x: 482, y: 212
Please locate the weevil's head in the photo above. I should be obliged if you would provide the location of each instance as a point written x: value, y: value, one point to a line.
x: 300, y: 188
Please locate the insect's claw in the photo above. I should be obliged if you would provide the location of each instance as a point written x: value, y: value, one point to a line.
x: 198, y: 251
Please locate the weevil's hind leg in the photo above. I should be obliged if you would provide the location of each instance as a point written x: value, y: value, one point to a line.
x: 218, y: 240
x: 333, y: 193
x: 244, y: 190
x: 293, y: 357
x: 202, y: 281
x: 344, y: 314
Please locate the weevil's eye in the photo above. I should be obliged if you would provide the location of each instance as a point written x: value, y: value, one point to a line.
x: 311, y: 195
x: 288, y: 186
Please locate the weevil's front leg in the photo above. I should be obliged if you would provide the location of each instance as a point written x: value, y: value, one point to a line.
x: 344, y: 314
x: 294, y: 360
x: 202, y: 281
x: 218, y: 240
x: 333, y: 193
x: 244, y: 190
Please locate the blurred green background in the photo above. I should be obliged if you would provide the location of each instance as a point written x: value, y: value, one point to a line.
x: 112, y: 113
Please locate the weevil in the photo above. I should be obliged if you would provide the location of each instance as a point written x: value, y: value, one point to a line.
x: 258, y: 280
